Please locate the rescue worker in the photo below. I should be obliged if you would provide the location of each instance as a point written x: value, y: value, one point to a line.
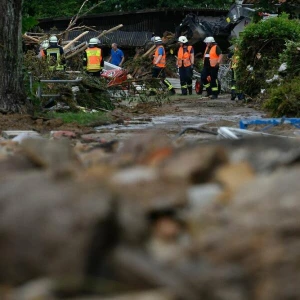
x: 185, y: 63
x: 54, y: 54
x: 159, y: 64
x: 233, y: 65
x: 43, y: 46
x: 93, y: 59
x: 234, y: 58
x: 211, y: 61
x: 116, y: 55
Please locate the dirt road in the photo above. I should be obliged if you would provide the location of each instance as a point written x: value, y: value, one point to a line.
x: 181, y: 113
x: 136, y: 118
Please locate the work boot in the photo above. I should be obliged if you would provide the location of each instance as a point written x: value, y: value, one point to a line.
x: 184, y: 91
x: 190, y: 91
x: 172, y: 92
x: 208, y: 92
x: 233, y: 96
x: 214, y: 96
x: 241, y: 96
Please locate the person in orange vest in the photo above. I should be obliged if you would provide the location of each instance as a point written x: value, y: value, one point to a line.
x: 185, y: 64
x: 43, y: 46
x: 211, y: 61
x: 159, y: 64
x: 93, y: 61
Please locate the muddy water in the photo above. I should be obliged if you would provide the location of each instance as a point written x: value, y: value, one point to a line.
x: 191, y: 112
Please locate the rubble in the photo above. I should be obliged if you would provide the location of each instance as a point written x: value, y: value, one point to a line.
x: 217, y: 220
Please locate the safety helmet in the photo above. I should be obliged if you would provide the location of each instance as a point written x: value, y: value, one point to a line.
x: 44, y: 44
x: 182, y: 39
x: 53, y: 39
x: 94, y: 41
x: 157, y: 40
x: 209, y: 39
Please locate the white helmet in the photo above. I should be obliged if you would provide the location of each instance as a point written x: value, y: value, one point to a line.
x: 44, y: 44
x: 182, y: 39
x: 53, y: 39
x: 209, y: 39
x: 94, y: 41
x: 157, y: 39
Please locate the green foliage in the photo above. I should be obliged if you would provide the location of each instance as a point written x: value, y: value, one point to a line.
x: 50, y: 8
x: 82, y: 118
x: 259, y: 47
x: 284, y: 100
x: 291, y: 56
x: 28, y: 23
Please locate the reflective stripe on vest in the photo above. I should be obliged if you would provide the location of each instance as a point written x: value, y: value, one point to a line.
x: 184, y: 58
x: 53, y: 58
x: 213, y: 56
x: 234, y: 62
x: 162, y: 62
x: 94, y: 59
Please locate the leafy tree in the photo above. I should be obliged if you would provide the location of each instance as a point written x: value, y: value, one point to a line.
x: 50, y: 8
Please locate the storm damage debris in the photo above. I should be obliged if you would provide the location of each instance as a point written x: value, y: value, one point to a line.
x: 93, y: 218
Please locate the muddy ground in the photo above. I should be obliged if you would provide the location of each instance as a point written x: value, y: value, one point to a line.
x: 176, y: 117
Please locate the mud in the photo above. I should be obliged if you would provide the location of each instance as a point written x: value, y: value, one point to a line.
x: 171, y: 117
x: 180, y: 113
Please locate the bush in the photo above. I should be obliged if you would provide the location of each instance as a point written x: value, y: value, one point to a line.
x: 291, y: 56
x: 284, y: 100
x: 260, y: 46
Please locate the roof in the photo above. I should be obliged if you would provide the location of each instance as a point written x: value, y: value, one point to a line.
x: 122, y: 38
x: 144, y: 11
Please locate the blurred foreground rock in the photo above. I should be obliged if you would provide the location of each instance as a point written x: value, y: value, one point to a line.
x: 149, y: 220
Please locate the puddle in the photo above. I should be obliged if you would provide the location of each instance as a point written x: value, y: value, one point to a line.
x: 174, y: 120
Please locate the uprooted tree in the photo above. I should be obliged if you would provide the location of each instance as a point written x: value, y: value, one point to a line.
x: 12, y: 95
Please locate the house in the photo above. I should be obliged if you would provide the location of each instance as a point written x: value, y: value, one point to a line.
x: 137, y: 26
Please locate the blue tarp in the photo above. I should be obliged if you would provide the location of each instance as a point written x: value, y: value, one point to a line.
x: 271, y: 122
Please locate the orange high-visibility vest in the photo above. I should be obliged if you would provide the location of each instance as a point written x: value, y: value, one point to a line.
x: 162, y: 62
x: 94, y: 58
x: 213, y: 56
x: 184, y: 58
x: 42, y: 53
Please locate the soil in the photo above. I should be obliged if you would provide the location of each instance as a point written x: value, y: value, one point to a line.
x: 41, y: 125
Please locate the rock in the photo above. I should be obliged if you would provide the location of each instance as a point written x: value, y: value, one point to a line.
x: 63, y: 134
x: 48, y: 227
x: 37, y: 289
x: 259, y: 232
x: 195, y: 165
x: 57, y: 156
x: 232, y: 176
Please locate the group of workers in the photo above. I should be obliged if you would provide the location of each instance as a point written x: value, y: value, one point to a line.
x: 185, y: 64
x: 93, y: 62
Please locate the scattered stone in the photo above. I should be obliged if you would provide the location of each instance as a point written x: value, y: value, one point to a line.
x: 10, y: 134
x: 63, y: 134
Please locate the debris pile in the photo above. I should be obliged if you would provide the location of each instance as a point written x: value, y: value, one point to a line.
x: 85, y: 218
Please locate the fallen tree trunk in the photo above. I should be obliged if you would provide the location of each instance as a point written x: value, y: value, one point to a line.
x: 74, y: 40
x: 30, y: 38
x: 149, y: 51
x: 100, y: 35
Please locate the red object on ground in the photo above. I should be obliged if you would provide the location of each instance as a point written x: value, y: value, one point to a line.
x: 115, y: 77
